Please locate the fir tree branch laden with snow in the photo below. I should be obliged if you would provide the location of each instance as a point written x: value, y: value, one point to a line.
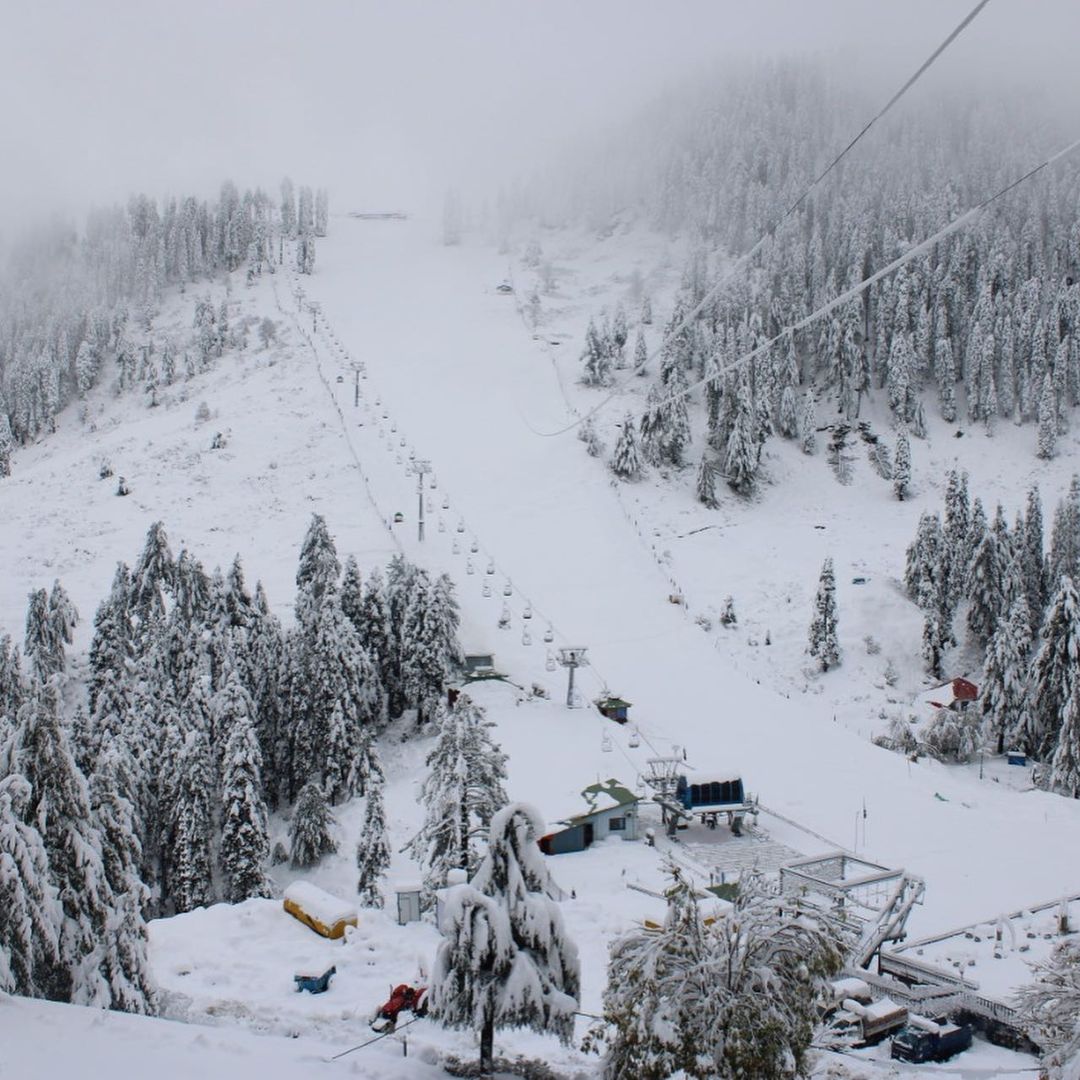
x: 506, y: 960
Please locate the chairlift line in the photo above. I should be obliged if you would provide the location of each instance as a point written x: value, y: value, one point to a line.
x: 770, y: 231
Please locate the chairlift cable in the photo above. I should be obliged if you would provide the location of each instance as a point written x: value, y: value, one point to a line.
x: 770, y: 231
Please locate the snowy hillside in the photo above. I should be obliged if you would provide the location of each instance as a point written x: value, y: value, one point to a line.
x: 452, y: 374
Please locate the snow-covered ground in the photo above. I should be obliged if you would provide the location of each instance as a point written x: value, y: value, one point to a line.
x: 453, y: 374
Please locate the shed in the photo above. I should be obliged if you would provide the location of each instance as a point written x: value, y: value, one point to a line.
x: 612, y: 811
x: 408, y: 902
x: 319, y: 910
x: 955, y: 694
x: 614, y: 708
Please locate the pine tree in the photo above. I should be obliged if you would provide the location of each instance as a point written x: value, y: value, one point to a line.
x: 808, y: 441
x: 736, y: 998
x: 30, y: 916
x: 1004, y: 676
x: 352, y: 594
x: 956, y: 531
x: 937, y: 635
x: 641, y: 353
x: 1065, y: 764
x: 126, y: 964
x: 1065, y: 538
x: 318, y: 570
x: 429, y: 644
x: 244, y: 840
x: 375, y: 632
x: 153, y: 575
x: 823, y: 640
x: 706, y: 482
x: 984, y: 588
x: 6, y: 445
x: 901, y: 480
x: 44, y: 648
x: 924, y: 556
x: 596, y: 358
x: 461, y: 793
x: 60, y: 800
x: 1048, y: 422
x: 626, y: 458
x: 190, y: 881
x: 372, y: 849
x: 310, y: 833
x: 743, y: 451
x: 1054, y: 674
x: 1034, y: 559
x: 1050, y: 1009
x: 506, y: 960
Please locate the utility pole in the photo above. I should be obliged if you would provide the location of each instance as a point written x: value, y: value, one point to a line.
x: 313, y: 305
x: 572, y: 658
x: 356, y: 390
x: 420, y: 467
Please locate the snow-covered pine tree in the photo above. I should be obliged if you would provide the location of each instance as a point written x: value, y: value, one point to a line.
x: 924, y: 556
x: 245, y: 843
x: 641, y: 353
x: 153, y: 576
x: 30, y: 916
x: 1048, y: 422
x: 1065, y: 538
x: 984, y: 587
x: 742, y: 455
x: 1004, y: 680
x: 937, y: 634
x: 63, y: 615
x: 901, y: 473
x: 351, y: 595
x: 1054, y: 674
x: 956, y: 532
x: 43, y: 648
x: 1050, y: 1008
x: 12, y: 683
x: 823, y: 644
x: 735, y: 998
x: 1065, y: 764
x: 60, y: 800
x: 372, y: 848
x: 1034, y: 559
x: 126, y: 961
x: 6, y: 444
x: 318, y: 570
x: 376, y: 635
x: 788, y: 418
x: 706, y: 481
x: 626, y: 457
x: 506, y: 959
x: 310, y: 835
x: 596, y: 358
x: 808, y: 424
x: 190, y: 880
x: 429, y: 644
x: 461, y: 793
x: 305, y: 253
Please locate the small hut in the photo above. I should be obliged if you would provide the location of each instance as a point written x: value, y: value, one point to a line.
x: 614, y: 708
x: 612, y: 811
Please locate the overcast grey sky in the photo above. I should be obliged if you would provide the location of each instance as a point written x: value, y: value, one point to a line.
x: 387, y: 102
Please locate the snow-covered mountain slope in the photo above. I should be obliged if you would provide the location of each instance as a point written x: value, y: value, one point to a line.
x: 452, y: 374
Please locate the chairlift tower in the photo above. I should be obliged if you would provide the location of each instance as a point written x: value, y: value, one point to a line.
x: 313, y: 307
x: 420, y: 466
x: 571, y: 658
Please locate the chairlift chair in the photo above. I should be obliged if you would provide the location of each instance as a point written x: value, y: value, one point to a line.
x: 527, y: 613
x: 469, y: 568
x: 402, y: 442
x: 428, y: 505
x: 431, y: 483
x: 456, y: 547
x: 442, y: 525
x: 486, y: 590
x: 549, y: 635
x: 508, y: 589
x: 474, y: 547
x: 460, y: 526
x: 445, y: 503
x: 491, y: 566
x: 504, y: 617
x: 526, y: 637
x: 635, y: 739
x: 606, y: 744
x: 550, y: 662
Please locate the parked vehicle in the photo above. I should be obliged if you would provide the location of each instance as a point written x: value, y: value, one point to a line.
x: 924, y: 1040
x: 866, y: 1025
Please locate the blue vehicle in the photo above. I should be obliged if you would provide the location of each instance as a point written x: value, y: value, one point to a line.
x: 924, y: 1040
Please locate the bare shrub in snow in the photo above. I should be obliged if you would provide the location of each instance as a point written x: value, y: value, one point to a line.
x: 953, y: 736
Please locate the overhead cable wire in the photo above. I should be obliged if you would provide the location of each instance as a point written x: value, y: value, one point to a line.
x: 770, y: 231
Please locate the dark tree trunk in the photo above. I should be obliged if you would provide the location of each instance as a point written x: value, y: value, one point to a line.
x: 487, y: 1045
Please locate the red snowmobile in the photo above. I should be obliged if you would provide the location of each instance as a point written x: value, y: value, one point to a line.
x: 403, y: 998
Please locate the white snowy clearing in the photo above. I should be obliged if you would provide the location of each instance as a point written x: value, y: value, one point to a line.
x: 454, y: 375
